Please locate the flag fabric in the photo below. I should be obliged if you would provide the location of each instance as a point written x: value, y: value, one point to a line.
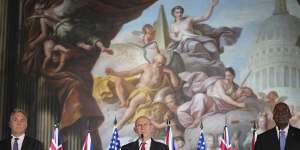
x: 115, y: 141
x: 169, y: 140
x: 87, y: 144
x: 225, y: 141
x: 254, y: 136
x: 55, y: 141
x: 201, y: 142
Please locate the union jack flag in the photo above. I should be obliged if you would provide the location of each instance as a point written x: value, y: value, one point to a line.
x: 87, y: 144
x: 169, y: 140
x: 225, y: 141
x: 55, y: 141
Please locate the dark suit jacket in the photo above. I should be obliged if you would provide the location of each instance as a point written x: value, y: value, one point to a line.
x: 269, y: 140
x: 154, y: 146
x: 29, y: 143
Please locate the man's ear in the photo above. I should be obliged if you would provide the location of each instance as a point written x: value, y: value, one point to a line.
x: 26, y: 124
x: 290, y: 115
x: 135, y: 130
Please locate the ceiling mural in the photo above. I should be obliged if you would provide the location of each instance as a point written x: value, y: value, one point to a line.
x: 193, y: 63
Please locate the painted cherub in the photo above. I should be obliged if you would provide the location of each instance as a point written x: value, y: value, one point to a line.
x: 171, y: 117
x: 270, y: 99
x: 146, y: 42
x: 50, y: 47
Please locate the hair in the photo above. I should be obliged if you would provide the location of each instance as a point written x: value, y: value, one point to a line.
x: 172, y: 96
x: 272, y: 93
x: 142, y: 117
x: 18, y: 110
x: 248, y: 88
x: 262, y: 115
x: 147, y: 26
x: 160, y: 56
x: 177, y: 7
x: 231, y: 70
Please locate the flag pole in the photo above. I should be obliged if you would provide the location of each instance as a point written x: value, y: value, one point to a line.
x: 115, y: 141
x: 201, y: 141
x: 115, y: 121
x: 254, y: 125
x: 253, y: 135
x: 56, y: 125
x: 201, y: 125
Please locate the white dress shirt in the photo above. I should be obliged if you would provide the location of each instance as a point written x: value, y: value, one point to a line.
x: 147, y: 145
x: 20, y: 141
x: 286, y: 130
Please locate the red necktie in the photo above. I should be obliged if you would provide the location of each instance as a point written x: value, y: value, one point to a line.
x: 143, y: 146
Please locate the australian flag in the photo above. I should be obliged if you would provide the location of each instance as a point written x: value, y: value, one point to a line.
x: 201, y: 142
x: 115, y: 141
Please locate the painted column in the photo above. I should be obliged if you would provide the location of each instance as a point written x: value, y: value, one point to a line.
x: 3, y: 82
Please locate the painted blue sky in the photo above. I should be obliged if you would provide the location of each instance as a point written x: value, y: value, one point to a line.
x: 247, y: 14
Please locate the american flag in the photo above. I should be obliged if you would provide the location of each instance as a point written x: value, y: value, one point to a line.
x: 115, y: 141
x: 225, y: 141
x: 87, y: 145
x: 55, y: 141
x: 201, y: 142
x: 169, y: 140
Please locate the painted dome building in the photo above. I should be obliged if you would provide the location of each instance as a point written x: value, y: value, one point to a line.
x: 275, y: 64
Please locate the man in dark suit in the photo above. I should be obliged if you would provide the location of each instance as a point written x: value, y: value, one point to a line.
x: 143, y: 129
x: 283, y: 136
x: 18, y: 140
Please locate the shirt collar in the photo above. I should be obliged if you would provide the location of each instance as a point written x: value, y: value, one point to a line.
x: 286, y: 130
x: 147, y: 142
x: 21, y: 138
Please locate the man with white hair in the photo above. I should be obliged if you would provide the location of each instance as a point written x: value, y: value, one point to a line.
x: 19, y: 140
x: 143, y: 128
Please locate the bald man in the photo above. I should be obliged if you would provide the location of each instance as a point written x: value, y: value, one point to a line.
x: 153, y: 77
x: 143, y: 128
x: 283, y: 136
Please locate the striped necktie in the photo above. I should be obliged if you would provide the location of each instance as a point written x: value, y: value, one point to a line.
x: 15, y: 146
x: 143, y: 146
x: 282, y: 139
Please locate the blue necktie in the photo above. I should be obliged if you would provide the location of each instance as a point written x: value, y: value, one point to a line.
x: 282, y: 139
x: 15, y: 146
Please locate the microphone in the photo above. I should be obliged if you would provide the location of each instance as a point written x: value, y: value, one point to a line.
x: 142, y: 138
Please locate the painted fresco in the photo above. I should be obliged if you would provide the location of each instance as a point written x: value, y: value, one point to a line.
x: 193, y: 63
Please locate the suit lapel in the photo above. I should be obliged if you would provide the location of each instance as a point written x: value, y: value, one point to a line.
x: 25, y: 143
x: 136, y: 145
x: 8, y: 144
x: 153, y: 145
x: 289, y: 138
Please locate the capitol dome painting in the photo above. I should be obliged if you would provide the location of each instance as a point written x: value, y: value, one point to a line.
x: 275, y: 64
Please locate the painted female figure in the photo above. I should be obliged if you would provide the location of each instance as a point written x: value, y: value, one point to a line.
x: 200, y: 41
